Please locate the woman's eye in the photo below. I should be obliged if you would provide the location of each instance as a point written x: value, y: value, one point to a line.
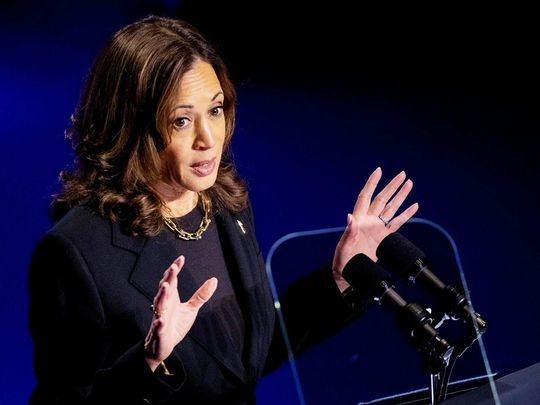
x: 180, y: 122
x: 216, y: 111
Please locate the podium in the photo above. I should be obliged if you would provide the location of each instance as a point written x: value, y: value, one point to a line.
x: 521, y: 388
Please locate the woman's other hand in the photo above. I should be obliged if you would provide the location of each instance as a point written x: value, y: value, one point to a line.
x: 372, y: 220
x: 172, y: 318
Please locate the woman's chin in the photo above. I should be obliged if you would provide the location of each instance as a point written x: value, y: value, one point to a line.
x: 202, y: 184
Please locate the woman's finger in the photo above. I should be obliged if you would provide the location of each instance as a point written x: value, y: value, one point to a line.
x: 393, y: 206
x: 364, y: 198
x: 180, y: 260
x: 175, y: 269
x: 380, y: 200
x: 177, y: 264
x: 396, y: 223
x: 170, y: 275
x: 158, y: 295
x: 203, y: 294
x: 160, y: 301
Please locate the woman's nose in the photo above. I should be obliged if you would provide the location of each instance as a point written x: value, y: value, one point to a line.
x: 205, y: 138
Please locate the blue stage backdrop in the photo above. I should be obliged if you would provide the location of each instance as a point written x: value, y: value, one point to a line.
x: 314, y: 119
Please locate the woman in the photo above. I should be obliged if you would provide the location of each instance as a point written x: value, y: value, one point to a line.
x: 154, y: 189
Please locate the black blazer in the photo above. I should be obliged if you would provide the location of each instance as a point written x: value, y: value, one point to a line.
x: 91, y: 286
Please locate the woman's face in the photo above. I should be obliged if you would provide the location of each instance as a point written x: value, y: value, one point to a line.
x: 196, y: 125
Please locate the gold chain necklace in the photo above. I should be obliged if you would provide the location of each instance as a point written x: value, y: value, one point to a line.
x: 203, y: 226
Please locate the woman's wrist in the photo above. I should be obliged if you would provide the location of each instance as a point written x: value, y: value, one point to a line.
x: 156, y: 366
x: 152, y: 363
x: 341, y: 283
x: 348, y: 293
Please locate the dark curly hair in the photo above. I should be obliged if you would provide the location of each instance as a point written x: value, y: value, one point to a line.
x: 120, y: 126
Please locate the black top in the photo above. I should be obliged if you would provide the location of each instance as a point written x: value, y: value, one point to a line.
x: 205, y: 259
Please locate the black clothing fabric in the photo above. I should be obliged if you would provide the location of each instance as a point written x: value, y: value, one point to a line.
x: 90, y: 290
x: 206, y: 259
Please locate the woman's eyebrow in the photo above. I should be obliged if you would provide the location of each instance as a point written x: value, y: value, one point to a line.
x: 191, y: 106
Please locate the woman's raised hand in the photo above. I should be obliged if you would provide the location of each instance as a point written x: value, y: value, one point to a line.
x: 173, y: 319
x: 372, y: 220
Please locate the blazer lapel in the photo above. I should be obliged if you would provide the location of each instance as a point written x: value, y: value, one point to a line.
x: 155, y: 257
x: 238, y: 238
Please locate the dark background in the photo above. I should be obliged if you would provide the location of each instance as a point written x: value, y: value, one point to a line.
x: 326, y: 93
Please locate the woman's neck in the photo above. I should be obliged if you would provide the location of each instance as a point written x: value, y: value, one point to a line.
x: 178, y: 200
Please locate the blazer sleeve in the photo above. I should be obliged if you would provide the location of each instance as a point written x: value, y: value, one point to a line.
x: 71, y: 339
x: 313, y: 310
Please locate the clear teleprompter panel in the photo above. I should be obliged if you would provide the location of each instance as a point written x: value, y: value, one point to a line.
x: 374, y: 359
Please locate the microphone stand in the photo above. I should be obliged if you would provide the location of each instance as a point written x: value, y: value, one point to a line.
x: 436, y: 350
x: 476, y: 328
x: 437, y: 363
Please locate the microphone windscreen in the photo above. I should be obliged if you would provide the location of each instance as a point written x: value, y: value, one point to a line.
x: 398, y: 254
x: 364, y: 275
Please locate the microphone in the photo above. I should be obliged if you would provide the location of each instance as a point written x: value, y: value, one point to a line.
x: 400, y: 255
x: 371, y: 281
